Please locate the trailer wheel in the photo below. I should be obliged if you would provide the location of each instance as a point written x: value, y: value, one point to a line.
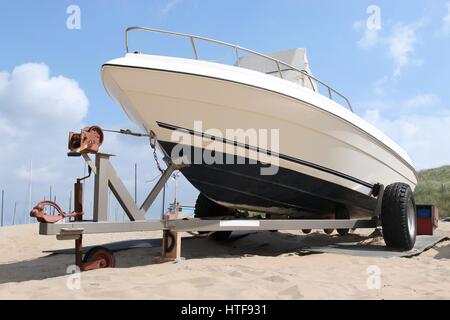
x: 306, y: 231
x: 342, y: 213
x: 205, y: 208
x: 102, y: 254
x: 398, y: 217
x: 328, y: 231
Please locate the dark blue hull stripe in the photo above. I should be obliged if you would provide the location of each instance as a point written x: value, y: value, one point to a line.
x: 274, y: 154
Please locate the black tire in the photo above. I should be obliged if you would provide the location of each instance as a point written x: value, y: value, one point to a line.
x: 398, y: 217
x: 205, y: 208
x: 101, y: 253
x: 342, y: 213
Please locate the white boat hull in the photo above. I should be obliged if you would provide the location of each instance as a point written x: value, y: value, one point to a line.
x: 318, y: 138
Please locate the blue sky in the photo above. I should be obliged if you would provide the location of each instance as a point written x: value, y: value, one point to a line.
x: 397, y: 77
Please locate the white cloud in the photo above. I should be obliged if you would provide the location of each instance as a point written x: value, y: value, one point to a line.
x: 29, y: 95
x: 422, y: 101
x: 169, y: 6
x: 41, y: 174
x: 370, y: 37
x: 37, y: 111
x: 421, y: 134
x: 7, y: 130
x: 401, y: 44
x: 358, y: 25
x: 379, y: 86
x: 446, y: 20
x: 423, y: 137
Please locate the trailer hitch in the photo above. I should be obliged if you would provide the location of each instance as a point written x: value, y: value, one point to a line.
x: 44, y: 217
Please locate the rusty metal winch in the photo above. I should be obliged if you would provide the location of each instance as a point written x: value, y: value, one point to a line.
x: 88, y: 141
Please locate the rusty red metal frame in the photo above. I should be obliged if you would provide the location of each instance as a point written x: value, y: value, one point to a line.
x: 42, y: 216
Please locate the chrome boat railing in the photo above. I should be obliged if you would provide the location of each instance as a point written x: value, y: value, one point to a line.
x: 237, y: 49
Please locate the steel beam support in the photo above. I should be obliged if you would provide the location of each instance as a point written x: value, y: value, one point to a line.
x: 261, y: 225
x: 101, y: 188
x: 158, y: 187
x: 202, y: 225
x: 106, y: 178
x: 100, y: 227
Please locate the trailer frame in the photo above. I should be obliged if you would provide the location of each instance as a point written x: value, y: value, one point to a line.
x: 106, y: 178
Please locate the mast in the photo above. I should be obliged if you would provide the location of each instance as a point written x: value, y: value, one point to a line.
x: 14, y: 215
x: 175, y: 177
x: 135, y: 182
x: 30, y: 185
x: 3, y: 199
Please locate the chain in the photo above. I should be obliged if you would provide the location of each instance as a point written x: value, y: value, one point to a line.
x: 155, y: 155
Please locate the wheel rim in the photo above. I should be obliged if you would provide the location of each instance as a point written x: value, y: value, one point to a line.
x: 411, y: 213
x: 106, y: 259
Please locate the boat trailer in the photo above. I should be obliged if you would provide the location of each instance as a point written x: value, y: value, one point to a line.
x: 172, y: 225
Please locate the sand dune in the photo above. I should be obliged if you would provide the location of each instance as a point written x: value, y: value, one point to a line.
x: 258, y: 266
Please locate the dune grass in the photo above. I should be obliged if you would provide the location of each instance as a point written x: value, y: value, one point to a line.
x: 434, y: 188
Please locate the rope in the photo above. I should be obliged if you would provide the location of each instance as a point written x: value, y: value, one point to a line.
x: 127, y: 132
x: 152, y: 137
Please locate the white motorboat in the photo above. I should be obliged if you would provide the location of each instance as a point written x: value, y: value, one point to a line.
x: 321, y: 158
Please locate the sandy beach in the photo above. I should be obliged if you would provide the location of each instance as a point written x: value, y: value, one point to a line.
x: 267, y: 265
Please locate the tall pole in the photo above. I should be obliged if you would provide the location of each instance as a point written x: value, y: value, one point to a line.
x: 109, y: 205
x: 164, y: 200
x: 85, y: 204
x: 50, y: 198
x: 3, y: 199
x: 175, y: 176
x: 70, y: 202
x: 135, y: 183
x: 443, y: 195
x: 14, y: 215
x: 30, y: 184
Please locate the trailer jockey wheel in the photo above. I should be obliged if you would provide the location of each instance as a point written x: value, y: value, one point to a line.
x: 342, y: 213
x: 99, y: 257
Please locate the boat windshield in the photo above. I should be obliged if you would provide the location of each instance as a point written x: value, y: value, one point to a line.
x: 280, y: 69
